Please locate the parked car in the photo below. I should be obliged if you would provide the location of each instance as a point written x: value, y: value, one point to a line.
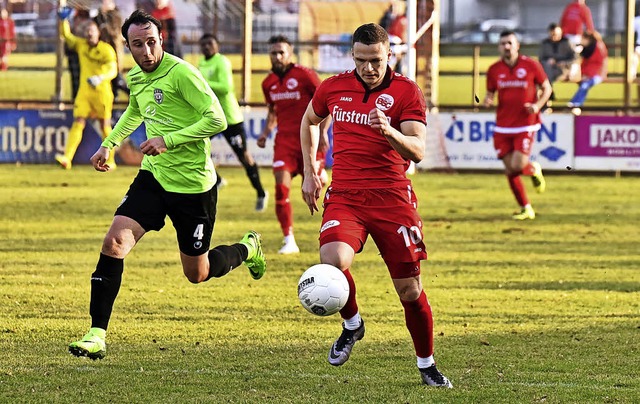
x: 487, y: 31
x: 25, y: 23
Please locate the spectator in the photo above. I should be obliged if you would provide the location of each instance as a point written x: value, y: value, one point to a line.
x: 398, y: 39
x: 636, y: 56
x: 76, y: 23
x: 593, y: 67
x: 575, y: 17
x: 387, y: 18
x: 109, y: 20
x: 556, y: 55
x: 7, y: 38
x: 166, y: 14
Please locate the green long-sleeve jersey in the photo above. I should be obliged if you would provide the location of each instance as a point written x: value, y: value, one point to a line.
x: 175, y: 102
x: 219, y: 74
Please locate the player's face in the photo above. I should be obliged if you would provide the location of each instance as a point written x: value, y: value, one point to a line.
x: 280, y: 55
x: 508, y: 47
x: 92, y: 34
x: 145, y: 44
x: 371, y: 62
x: 208, y: 47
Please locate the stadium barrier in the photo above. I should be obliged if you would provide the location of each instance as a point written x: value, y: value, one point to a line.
x: 460, y: 141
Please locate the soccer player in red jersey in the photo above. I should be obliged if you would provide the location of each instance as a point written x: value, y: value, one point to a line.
x: 287, y: 91
x: 575, y: 17
x: 379, y: 126
x: 516, y: 78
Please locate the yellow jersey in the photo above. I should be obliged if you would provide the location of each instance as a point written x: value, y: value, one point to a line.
x: 99, y: 60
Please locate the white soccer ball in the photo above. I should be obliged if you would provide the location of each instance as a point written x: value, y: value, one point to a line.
x: 323, y: 290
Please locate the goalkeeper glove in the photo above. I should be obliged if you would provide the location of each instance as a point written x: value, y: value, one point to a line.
x: 65, y: 12
x: 94, y: 81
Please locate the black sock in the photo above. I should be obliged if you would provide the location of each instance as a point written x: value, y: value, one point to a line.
x: 105, y: 285
x: 254, y: 177
x: 224, y: 258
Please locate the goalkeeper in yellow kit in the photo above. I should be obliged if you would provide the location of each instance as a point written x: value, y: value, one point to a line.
x: 98, y: 66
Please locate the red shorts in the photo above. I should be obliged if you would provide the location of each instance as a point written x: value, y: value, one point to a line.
x: 291, y: 161
x: 505, y: 143
x: 390, y: 216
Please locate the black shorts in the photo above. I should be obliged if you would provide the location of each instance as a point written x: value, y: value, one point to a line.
x: 237, y: 138
x: 192, y: 215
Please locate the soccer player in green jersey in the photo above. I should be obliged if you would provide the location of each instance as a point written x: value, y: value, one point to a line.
x: 216, y: 69
x: 176, y: 178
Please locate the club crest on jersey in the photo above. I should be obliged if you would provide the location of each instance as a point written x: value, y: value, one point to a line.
x: 384, y: 102
x: 520, y: 73
x: 292, y: 83
x: 158, y: 95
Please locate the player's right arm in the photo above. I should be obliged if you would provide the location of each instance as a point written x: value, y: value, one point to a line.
x: 69, y: 38
x: 309, y: 140
x: 270, y: 125
x: 128, y: 122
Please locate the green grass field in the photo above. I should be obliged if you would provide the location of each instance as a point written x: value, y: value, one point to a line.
x: 456, y: 90
x: 542, y: 311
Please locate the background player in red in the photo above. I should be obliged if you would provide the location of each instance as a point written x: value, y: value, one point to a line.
x: 7, y: 38
x: 575, y: 17
x: 287, y: 91
x: 516, y: 78
x: 379, y: 126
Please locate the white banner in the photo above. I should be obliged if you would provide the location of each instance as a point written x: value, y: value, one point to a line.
x: 467, y: 141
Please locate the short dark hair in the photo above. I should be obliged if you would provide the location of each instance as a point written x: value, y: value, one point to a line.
x: 552, y: 26
x: 139, y: 17
x: 208, y: 36
x: 370, y: 34
x: 279, y: 39
x: 508, y: 32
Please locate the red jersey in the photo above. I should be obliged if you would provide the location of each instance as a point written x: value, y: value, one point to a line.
x: 593, y: 65
x: 516, y: 86
x: 7, y: 36
x: 290, y: 94
x: 574, y: 17
x: 362, y: 157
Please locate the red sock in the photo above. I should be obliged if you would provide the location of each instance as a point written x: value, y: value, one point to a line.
x: 350, y: 309
x: 283, y: 209
x: 518, y: 189
x: 528, y: 170
x: 419, y: 321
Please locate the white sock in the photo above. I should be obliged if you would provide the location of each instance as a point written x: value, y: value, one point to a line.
x: 424, y: 363
x: 353, y: 323
x: 289, y: 239
x: 527, y: 206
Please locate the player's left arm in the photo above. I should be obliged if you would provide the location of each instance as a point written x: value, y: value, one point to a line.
x: 197, y: 93
x: 544, y: 87
x: 409, y: 141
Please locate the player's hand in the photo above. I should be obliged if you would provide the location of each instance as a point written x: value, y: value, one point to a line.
x: 379, y: 121
x: 94, y: 81
x: 65, y: 12
x: 531, y: 108
x: 99, y: 159
x: 487, y: 102
x: 311, y: 187
x: 262, y: 141
x: 153, y: 146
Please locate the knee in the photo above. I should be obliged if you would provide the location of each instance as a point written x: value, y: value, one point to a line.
x: 115, y: 246
x: 409, y: 293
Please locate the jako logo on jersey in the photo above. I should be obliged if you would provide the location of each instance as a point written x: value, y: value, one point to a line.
x: 384, y: 102
x: 158, y: 95
x: 520, y: 73
x: 329, y: 224
x: 349, y: 99
x: 292, y: 83
x: 150, y: 110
